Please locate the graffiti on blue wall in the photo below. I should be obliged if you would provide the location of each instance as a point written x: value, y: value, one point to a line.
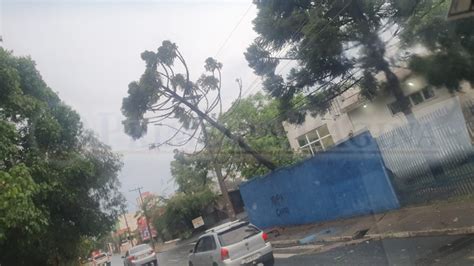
x: 348, y: 180
x: 278, y: 203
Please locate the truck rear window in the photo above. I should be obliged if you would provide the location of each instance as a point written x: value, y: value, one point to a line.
x: 237, y: 234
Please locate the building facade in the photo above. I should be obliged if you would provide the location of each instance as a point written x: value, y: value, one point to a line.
x: 351, y: 113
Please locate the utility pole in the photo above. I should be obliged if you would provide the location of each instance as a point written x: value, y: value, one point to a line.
x: 139, y: 189
x: 128, y: 227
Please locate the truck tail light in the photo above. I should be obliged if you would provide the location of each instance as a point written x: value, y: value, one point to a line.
x: 224, y: 253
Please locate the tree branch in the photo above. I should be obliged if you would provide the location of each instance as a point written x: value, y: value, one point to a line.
x: 238, y: 140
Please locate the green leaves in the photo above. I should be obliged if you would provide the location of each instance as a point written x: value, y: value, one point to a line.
x: 450, y: 45
x: 326, y: 41
x: 190, y: 172
x: 58, y: 183
x: 447, y: 70
x: 175, y: 218
x: 258, y: 121
x: 17, y: 209
x: 260, y: 59
x: 167, y: 52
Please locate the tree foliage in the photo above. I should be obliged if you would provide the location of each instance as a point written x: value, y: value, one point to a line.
x: 257, y: 119
x: 336, y: 44
x: 450, y: 45
x: 253, y: 118
x: 163, y: 93
x: 174, y: 217
x: 191, y: 172
x: 58, y: 183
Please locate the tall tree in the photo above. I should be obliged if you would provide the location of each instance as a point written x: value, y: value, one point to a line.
x: 58, y: 183
x: 162, y: 93
x: 333, y: 43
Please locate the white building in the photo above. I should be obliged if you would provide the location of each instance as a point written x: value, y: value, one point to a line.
x: 351, y: 113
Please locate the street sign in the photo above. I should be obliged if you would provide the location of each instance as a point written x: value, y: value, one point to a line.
x: 461, y: 9
x: 198, y: 222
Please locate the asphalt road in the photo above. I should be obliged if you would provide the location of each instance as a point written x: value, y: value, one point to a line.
x: 175, y: 257
x: 452, y: 250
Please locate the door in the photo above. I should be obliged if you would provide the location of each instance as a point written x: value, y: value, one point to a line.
x: 205, y: 252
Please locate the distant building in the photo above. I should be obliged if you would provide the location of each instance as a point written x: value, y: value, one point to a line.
x: 123, y: 220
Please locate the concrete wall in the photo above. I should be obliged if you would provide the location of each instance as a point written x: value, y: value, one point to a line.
x: 348, y: 180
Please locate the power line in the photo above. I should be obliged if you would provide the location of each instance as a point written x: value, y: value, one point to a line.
x: 339, y: 84
x: 327, y: 83
x: 294, y: 34
x: 299, y: 30
x: 253, y: 84
x: 233, y: 30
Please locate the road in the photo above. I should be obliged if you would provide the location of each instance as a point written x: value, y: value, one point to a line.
x: 176, y: 257
x: 453, y: 250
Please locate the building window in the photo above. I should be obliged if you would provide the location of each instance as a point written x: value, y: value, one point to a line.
x: 428, y: 93
x: 395, y: 107
x: 415, y: 99
x: 421, y: 96
x: 315, y: 141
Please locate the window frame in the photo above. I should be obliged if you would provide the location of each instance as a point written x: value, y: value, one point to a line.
x: 220, y: 234
x: 319, y: 140
x: 201, y: 240
x: 197, y: 245
x: 412, y: 102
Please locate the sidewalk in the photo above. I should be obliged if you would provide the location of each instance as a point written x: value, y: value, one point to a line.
x: 446, y: 218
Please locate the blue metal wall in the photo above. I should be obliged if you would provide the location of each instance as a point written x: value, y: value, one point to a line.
x: 348, y: 180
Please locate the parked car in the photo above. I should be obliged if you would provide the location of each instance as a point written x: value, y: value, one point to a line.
x: 234, y: 243
x: 101, y: 259
x: 140, y: 255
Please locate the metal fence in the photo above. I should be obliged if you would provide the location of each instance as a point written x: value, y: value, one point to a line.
x: 431, y: 158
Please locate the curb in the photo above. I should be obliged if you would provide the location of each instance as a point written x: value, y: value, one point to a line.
x: 405, y: 234
x: 431, y: 232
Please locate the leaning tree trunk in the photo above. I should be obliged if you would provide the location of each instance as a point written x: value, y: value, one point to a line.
x: 225, y: 194
x: 224, y: 130
x: 229, y: 207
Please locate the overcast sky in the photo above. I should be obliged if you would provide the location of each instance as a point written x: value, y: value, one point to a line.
x: 88, y: 52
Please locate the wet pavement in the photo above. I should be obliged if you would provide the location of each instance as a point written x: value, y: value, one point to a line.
x: 452, y: 250
x: 443, y: 250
